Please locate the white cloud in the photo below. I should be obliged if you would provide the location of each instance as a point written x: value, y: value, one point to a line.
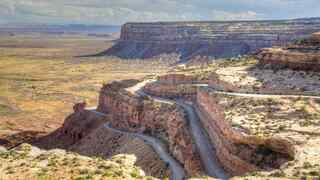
x: 224, y: 15
x: 120, y: 11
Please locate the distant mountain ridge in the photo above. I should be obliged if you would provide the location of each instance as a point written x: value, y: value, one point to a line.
x: 207, y: 39
x: 70, y: 28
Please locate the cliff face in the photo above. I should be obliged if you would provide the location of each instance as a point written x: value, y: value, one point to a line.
x: 238, y: 151
x: 83, y: 132
x: 165, y: 121
x: 302, y: 55
x: 186, y: 91
x: 207, y: 39
x: 174, y: 86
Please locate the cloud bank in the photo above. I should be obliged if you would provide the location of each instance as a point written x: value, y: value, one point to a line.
x: 121, y: 11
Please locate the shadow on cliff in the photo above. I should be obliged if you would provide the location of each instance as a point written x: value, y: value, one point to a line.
x: 76, y: 126
x: 11, y: 141
x: 83, y: 132
x: 184, y: 51
x: 52, y: 140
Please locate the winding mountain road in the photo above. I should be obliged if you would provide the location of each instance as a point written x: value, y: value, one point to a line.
x: 206, y: 151
x: 265, y: 95
x: 178, y: 172
x: 257, y: 95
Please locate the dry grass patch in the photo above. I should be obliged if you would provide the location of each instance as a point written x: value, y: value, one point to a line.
x: 41, y: 78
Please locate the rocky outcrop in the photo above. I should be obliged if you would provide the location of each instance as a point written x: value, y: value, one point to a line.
x: 315, y: 37
x: 135, y: 114
x: 106, y: 144
x: 237, y: 151
x: 174, y: 79
x: 253, y: 79
x: 79, y: 107
x: 174, y: 86
x: 302, y: 55
x: 78, y: 125
x: 207, y: 39
x: 187, y: 91
x: 84, y: 132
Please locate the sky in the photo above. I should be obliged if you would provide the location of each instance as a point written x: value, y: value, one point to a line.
x: 117, y: 12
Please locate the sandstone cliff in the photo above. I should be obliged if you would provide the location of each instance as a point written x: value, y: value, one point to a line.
x: 83, y: 132
x: 302, y: 55
x: 175, y: 86
x: 238, y: 151
x: 207, y: 39
x: 165, y: 121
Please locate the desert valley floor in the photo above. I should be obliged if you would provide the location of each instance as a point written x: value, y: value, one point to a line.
x: 65, y: 115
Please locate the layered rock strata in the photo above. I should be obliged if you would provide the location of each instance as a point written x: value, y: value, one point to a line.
x: 237, y: 151
x: 174, y: 86
x: 179, y: 79
x: 302, y: 55
x: 187, y: 91
x: 84, y: 132
x: 207, y: 39
x: 165, y: 121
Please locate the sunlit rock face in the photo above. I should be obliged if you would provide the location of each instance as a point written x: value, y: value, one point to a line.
x: 316, y: 37
x: 239, y: 151
x: 136, y: 114
x: 174, y: 86
x: 207, y: 39
x: 301, y: 55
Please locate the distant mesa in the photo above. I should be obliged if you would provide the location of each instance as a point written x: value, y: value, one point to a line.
x: 207, y: 39
x: 316, y: 37
x: 301, y: 55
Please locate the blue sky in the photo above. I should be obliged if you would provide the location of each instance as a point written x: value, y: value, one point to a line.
x: 120, y: 11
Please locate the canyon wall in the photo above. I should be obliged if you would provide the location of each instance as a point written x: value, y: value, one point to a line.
x: 207, y: 39
x: 301, y: 55
x: 174, y: 86
x: 237, y: 151
x: 187, y: 91
x: 83, y: 132
x: 165, y: 121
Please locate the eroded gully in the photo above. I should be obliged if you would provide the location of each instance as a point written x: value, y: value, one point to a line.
x: 177, y: 172
x: 204, y: 147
